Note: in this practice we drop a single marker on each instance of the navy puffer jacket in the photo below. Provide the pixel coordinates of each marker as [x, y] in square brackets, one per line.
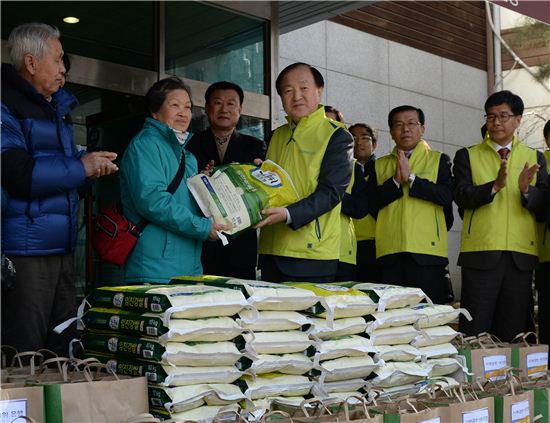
[41, 170]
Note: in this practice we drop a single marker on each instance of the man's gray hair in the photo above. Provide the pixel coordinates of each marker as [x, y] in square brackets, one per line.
[30, 38]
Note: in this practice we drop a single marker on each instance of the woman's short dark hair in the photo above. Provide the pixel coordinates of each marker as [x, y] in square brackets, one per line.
[156, 95]
[406, 108]
[317, 77]
[336, 112]
[368, 128]
[223, 85]
[505, 97]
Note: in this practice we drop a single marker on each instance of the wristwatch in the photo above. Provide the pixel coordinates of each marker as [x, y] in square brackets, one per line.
[411, 178]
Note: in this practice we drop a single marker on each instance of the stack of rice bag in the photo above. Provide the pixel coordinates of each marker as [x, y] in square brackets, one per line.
[341, 355]
[274, 340]
[180, 337]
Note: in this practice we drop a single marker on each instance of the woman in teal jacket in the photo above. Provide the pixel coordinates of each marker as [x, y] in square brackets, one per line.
[171, 244]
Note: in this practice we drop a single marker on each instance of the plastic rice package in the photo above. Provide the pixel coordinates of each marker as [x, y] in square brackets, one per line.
[394, 336]
[438, 351]
[438, 315]
[269, 321]
[402, 352]
[338, 302]
[392, 296]
[434, 336]
[391, 318]
[204, 414]
[183, 398]
[324, 389]
[176, 301]
[155, 325]
[345, 368]
[343, 346]
[398, 373]
[274, 342]
[443, 366]
[322, 329]
[292, 364]
[235, 194]
[261, 295]
[275, 384]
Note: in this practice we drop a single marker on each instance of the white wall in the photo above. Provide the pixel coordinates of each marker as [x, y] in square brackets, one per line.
[366, 76]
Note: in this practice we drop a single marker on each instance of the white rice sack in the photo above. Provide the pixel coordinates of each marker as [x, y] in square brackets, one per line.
[204, 414]
[287, 404]
[394, 336]
[396, 373]
[199, 301]
[291, 364]
[269, 321]
[438, 351]
[183, 376]
[206, 330]
[392, 296]
[275, 384]
[403, 352]
[345, 368]
[391, 318]
[276, 342]
[324, 389]
[393, 392]
[338, 301]
[438, 315]
[434, 336]
[349, 326]
[444, 382]
[201, 354]
[443, 366]
[351, 397]
[344, 346]
[183, 398]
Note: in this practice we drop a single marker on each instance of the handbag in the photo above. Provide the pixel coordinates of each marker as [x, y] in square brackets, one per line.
[114, 236]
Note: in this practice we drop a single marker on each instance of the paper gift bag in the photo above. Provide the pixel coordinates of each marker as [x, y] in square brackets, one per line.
[25, 401]
[475, 411]
[518, 408]
[102, 401]
[532, 360]
[410, 411]
[487, 363]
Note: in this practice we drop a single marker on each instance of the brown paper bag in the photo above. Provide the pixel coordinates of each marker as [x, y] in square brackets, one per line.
[475, 411]
[18, 402]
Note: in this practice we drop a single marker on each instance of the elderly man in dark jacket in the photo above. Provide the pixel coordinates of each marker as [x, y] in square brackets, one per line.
[41, 172]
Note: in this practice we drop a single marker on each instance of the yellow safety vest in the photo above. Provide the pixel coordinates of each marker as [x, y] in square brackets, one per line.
[543, 232]
[348, 242]
[411, 224]
[300, 152]
[503, 224]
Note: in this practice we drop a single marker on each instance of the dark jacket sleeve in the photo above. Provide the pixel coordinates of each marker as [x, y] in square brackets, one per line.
[466, 194]
[334, 178]
[356, 204]
[536, 194]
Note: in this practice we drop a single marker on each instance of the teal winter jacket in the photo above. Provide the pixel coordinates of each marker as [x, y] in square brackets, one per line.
[171, 244]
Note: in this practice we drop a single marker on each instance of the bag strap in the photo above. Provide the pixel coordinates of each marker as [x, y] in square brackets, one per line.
[171, 188]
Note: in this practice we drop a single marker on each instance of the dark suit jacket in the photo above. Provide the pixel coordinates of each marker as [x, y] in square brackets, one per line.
[440, 192]
[470, 196]
[242, 250]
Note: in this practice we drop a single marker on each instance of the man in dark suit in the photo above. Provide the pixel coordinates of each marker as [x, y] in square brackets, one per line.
[499, 184]
[218, 145]
[412, 190]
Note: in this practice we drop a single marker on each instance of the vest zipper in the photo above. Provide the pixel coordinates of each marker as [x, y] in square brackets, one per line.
[291, 136]
[471, 218]
[317, 228]
[437, 225]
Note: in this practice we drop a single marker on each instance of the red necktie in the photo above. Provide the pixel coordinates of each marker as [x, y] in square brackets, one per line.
[504, 153]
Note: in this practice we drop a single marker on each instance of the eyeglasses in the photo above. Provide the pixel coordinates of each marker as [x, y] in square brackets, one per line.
[399, 126]
[366, 138]
[502, 117]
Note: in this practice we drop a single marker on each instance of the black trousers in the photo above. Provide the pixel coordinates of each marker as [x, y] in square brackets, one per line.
[296, 270]
[367, 269]
[499, 299]
[43, 297]
[542, 283]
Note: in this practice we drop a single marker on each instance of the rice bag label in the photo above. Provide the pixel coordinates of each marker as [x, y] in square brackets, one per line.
[103, 319]
[520, 412]
[537, 364]
[494, 367]
[476, 416]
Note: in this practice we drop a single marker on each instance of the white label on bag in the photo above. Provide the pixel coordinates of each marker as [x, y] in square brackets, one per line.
[520, 412]
[12, 409]
[480, 415]
[494, 367]
[537, 364]
[434, 420]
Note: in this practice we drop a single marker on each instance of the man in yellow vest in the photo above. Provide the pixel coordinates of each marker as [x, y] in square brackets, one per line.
[500, 183]
[413, 194]
[542, 274]
[301, 242]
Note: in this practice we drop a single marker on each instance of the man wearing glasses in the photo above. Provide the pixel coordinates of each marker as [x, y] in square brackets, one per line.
[499, 185]
[413, 194]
